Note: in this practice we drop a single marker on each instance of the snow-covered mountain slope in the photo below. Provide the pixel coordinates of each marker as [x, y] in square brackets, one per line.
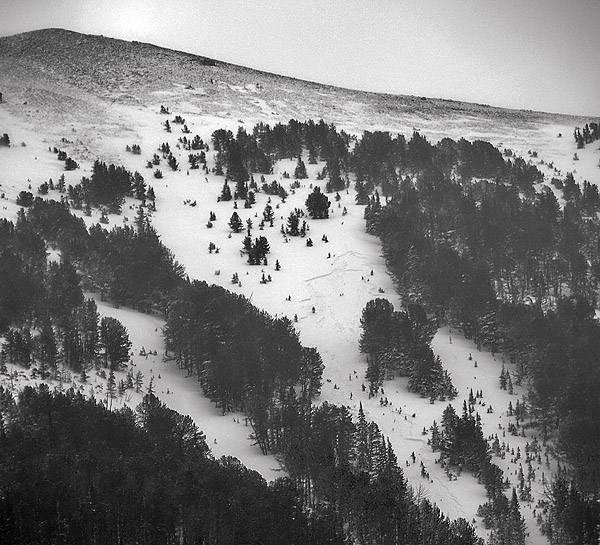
[92, 96]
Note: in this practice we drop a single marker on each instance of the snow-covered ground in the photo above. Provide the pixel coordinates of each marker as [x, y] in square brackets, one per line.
[337, 278]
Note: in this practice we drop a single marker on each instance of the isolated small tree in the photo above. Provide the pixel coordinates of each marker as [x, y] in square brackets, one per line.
[173, 162]
[236, 223]
[139, 381]
[268, 214]
[226, 192]
[70, 164]
[293, 223]
[300, 171]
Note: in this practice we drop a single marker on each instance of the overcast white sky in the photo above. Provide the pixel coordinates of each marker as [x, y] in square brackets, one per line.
[532, 54]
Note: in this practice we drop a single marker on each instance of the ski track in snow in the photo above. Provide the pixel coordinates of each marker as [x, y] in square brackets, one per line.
[338, 287]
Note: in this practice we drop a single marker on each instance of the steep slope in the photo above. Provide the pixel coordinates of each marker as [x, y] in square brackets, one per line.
[92, 95]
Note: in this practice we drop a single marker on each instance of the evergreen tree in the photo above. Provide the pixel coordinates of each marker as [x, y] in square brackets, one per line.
[236, 223]
[47, 350]
[115, 342]
[293, 223]
[226, 192]
[300, 170]
[318, 204]
[268, 214]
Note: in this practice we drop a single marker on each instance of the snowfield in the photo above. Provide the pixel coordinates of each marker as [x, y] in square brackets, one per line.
[336, 278]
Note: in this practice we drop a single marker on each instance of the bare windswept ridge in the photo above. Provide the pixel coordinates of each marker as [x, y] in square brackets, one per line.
[51, 68]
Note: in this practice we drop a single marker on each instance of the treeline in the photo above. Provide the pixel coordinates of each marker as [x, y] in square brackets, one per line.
[378, 159]
[398, 343]
[73, 472]
[243, 154]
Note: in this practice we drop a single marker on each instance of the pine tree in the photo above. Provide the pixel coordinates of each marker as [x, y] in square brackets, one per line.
[139, 381]
[317, 204]
[111, 389]
[115, 341]
[292, 224]
[226, 192]
[47, 352]
[362, 193]
[300, 170]
[503, 380]
[268, 214]
[236, 223]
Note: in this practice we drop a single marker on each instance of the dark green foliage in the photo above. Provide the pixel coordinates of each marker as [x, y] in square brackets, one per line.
[132, 267]
[429, 378]
[293, 225]
[172, 162]
[242, 356]
[241, 155]
[5, 140]
[317, 204]
[63, 291]
[226, 192]
[257, 250]
[362, 192]
[505, 520]
[398, 343]
[18, 347]
[115, 342]
[25, 198]
[236, 223]
[128, 478]
[274, 188]
[20, 289]
[300, 170]
[71, 164]
[461, 441]
[107, 186]
[268, 214]
[570, 516]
